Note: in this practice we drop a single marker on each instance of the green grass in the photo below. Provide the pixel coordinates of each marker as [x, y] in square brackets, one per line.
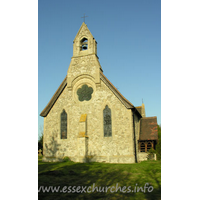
[102, 174]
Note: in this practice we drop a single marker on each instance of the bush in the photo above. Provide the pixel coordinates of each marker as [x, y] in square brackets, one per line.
[66, 159]
[158, 146]
[40, 143]
[152, 151]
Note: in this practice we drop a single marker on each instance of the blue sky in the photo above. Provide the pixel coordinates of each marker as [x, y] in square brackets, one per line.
[128, 34]
[133, 26]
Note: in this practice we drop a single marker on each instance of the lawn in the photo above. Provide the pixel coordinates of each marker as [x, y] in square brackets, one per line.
[133, 176]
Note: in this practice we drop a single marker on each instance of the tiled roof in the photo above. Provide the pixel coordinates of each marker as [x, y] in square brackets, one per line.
[127, 103]
[124, 101]
[148, 128]
[54, 98]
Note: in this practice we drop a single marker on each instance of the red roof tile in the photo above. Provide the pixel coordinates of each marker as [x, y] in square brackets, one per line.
[148, 128]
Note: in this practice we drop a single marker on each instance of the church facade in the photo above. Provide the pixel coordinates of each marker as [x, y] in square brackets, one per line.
[88, 119]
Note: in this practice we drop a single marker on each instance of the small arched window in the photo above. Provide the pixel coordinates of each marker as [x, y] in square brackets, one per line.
[84, 44]
[107, 122]
[63, 125]
[142, 147]
[149, 146]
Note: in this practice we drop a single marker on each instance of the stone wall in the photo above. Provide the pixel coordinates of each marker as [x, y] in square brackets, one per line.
[118, 148]
[142, 156]
[137, 133]
[90, 143]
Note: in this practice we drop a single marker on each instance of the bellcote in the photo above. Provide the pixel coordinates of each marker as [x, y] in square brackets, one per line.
[84, 42]
[84, 65]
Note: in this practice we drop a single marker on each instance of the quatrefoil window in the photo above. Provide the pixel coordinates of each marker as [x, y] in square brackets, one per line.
[84, 93]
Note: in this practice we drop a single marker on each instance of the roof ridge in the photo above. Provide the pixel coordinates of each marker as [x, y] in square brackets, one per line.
[52, 101]
[149, 117]
[54, 98]
[127, 102]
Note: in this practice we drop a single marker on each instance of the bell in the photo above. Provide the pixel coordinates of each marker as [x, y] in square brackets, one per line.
[84, 47]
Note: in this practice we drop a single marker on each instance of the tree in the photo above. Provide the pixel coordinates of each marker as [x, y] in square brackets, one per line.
[40, 142]
[158, 146]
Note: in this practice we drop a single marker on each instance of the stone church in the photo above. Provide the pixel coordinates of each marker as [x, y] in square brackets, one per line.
[88, 119]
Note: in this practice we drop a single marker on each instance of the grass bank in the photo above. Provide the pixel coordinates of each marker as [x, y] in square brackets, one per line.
[102, 175]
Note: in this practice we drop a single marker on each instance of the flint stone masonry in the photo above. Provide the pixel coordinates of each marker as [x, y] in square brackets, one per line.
[85, 125]
[121, 142]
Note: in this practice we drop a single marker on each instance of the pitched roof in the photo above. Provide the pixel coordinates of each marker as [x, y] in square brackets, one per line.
[84, 25]
[54, 98]
[148, 128]
[139, 108]
[127, 103]
[124, 101]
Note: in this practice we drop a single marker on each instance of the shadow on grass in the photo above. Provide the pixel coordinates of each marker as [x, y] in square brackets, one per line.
[102, 175]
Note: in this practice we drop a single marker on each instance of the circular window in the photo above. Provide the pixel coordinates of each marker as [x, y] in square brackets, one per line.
[84, 93]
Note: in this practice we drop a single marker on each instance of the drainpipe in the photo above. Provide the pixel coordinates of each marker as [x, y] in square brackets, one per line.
[133, 111]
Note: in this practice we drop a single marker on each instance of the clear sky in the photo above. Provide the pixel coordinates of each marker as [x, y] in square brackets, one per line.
[131, 25]
[128, 34]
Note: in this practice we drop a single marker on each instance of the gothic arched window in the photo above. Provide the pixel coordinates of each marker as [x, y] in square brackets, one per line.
[107, 122]
[84, 44]
[63, 125]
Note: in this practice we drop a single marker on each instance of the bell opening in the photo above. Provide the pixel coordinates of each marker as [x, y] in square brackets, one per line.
[84, 47]
[84, 44]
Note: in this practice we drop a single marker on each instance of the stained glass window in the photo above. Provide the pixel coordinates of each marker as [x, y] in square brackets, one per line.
[84, 93]
[63, 125]
[107, 122]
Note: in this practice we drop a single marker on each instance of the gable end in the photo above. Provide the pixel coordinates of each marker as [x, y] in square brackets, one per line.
[46, 110]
